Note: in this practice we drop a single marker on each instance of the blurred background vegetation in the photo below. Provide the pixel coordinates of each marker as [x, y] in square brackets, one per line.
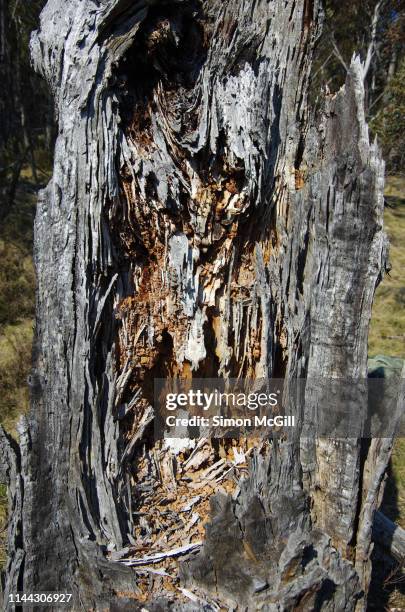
[374, 29]
[26, 143]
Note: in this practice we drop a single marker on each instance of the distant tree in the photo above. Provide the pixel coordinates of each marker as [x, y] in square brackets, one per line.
[374, 29]
[389, 123]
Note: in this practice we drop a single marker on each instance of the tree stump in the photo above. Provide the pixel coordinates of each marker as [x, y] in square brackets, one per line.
[200, 222]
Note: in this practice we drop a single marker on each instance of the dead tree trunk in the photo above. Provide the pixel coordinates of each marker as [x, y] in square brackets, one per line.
[198, 223]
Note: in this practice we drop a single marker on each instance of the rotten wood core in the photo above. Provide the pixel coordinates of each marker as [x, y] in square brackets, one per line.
[200, 222]
[189, 241]
[188, 235]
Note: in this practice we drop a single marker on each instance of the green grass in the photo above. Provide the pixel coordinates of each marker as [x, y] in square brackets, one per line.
[15, 364]
[387, 337]
[398, 469]
[387, 332]
[17, 305]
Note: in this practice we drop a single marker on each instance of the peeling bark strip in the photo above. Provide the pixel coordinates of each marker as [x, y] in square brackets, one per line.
[198, 223]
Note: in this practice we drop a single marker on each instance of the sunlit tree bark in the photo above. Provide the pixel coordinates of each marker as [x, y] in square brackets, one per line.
[199, 222]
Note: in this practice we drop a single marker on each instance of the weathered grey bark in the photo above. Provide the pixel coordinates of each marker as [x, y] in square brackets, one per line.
[198, 223]
[390, 536]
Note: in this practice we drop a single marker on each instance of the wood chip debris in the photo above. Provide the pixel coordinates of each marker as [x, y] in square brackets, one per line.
[157, 557]
[170, 487]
